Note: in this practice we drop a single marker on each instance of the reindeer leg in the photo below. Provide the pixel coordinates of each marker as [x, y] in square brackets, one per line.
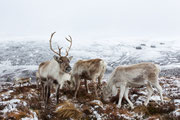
[57, 93]
[38, 82]
[95, 85]
[150, 91]
[86, 85]
[99, 81]
[45, 93]
[61, 86]
[48, 92]
[122, 90]
[77, 89]
[43, 90]
[126, 97]
[159, 88]
[77, 85]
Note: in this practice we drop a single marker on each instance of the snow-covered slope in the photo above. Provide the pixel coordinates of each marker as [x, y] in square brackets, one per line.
[21, 58]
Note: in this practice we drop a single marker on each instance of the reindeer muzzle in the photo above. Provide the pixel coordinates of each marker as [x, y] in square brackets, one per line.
[68, 69]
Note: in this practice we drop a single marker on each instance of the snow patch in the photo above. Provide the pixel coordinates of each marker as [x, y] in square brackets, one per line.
[98, 116]
[11, 105]
[177, 112]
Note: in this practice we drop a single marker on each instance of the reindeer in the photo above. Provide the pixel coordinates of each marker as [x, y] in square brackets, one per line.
[135, 75]
[22, 81]
[55, 72]
[92, 69]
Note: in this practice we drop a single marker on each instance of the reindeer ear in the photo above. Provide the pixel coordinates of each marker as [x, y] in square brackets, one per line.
[56, 58]
[70, 58]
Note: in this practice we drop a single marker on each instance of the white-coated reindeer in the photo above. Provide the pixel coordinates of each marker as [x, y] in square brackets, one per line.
[92, 69]
[55, 72]
[125, 77]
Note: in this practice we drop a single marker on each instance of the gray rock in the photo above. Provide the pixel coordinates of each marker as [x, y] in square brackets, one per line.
[162, 43]
[153, 46]
[143, 44]
[138, 47]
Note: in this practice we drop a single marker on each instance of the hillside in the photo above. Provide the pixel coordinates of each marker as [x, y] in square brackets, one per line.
[21, 59]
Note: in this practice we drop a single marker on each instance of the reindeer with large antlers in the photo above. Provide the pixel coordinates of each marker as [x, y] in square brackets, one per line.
[55, 72]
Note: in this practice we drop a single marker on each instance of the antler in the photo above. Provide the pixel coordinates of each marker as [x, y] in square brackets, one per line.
[51, 45]
[69, 40]
[60, 50]
[67, 51]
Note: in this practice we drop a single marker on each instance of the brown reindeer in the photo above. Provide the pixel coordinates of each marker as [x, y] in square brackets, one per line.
[55, 72]
[88, 70]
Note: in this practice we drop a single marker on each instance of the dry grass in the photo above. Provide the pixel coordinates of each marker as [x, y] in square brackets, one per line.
[68, 110]
[155, 111]
[94, 103]
[16, 115]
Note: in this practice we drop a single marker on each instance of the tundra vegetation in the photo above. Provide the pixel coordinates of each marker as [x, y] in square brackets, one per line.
[25, 102]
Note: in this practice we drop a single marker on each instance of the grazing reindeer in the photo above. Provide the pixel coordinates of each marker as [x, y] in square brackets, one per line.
[55, 72]
[22, 81]
[88, 70]
[135, 75]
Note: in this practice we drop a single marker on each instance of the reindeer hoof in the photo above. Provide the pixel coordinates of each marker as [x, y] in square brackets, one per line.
[132, 107]
[118, 106]
[88, 92]
[145, 104]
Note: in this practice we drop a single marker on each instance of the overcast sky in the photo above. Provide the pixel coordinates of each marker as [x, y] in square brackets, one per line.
[91, 19]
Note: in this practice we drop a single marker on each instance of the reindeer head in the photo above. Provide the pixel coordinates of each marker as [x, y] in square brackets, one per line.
[63, 61]
[106, 93]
